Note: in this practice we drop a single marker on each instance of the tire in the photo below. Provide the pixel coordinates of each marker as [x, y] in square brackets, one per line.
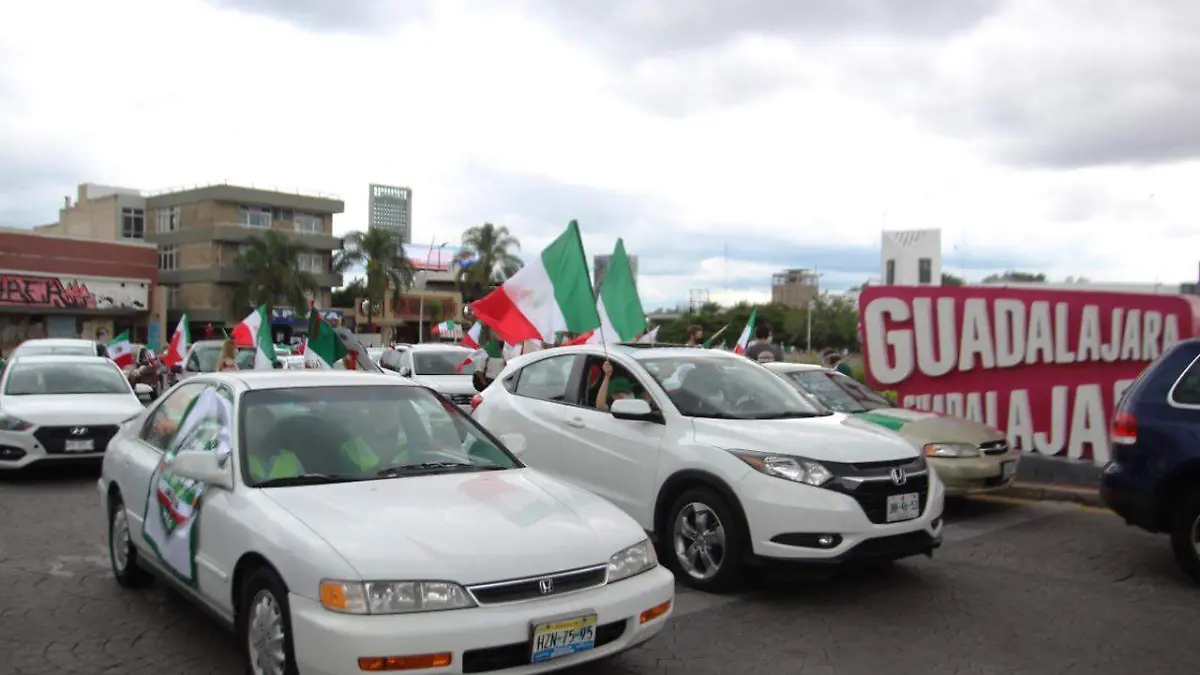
[122, 554]
[265, 625]
[726, 542]
[1185, 535]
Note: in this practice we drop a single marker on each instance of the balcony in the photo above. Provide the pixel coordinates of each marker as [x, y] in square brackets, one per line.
[229, 275]
[236, 233]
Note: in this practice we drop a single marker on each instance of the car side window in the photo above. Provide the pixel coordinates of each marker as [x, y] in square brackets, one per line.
[193, 363]
[164, 421]
[547, 379]
[1187, 390]
[622, 381]
[205, 423]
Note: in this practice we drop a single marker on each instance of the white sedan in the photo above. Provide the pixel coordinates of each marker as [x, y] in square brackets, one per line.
[361, 524]
[55, 408]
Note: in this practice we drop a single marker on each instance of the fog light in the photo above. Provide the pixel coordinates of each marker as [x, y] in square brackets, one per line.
[655, 612]
[376, 664]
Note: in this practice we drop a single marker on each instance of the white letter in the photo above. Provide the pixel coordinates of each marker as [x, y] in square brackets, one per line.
[1010, 333]
[1062, 354]
[1112, 348]
[1131, 344]
[1020, 421]
[910, 401]
[1170, 336]
[954, 404]
[1152, 325]
[990, 404]
[879, 339]
[976, 336]
[1089, 333]
[1053, 443]
[1040, 339]
[927, 363]
[1088, 424]
[939, 404]
[974, 407]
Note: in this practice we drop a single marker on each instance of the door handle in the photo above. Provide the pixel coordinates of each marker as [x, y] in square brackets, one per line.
[576, 422]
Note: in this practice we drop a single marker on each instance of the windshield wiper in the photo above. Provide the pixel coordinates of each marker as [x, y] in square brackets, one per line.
[793, 414]
[305, 479]
[435, 467]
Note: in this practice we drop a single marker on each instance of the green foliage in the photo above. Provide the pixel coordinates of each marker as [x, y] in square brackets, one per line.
[348, 294]
[834, 323]
[1015, 277]
[382, 255]
[494, 248]
[272, 275]
[951, 280]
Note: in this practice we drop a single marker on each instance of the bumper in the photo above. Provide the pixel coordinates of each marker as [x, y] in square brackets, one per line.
[785, 519]
[20, 449]
[485, 639]
[975, 475]
[1127, 499]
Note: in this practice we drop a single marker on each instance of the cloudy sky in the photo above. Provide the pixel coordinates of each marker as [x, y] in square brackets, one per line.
[723, 140]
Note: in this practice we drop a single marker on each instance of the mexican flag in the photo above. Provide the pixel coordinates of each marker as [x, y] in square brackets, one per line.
[181, 340]
[255, 331]
[550, 294]
[708, 344]
[471, 338]
[744, 340]
[323, 348]
[120, 350]
[622, 318]
[444, 328]
[491, 350]
[649, 338]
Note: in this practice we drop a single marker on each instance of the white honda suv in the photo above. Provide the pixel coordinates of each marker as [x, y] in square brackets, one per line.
[718, 458]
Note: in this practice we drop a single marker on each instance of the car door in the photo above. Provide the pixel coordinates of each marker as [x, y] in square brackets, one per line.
[539, 404]
[616, 459]
[141, 454]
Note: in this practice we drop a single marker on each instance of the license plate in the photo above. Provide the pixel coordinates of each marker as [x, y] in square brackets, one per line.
[80, 446]
[903, 507]
[563, 638]
[1008, 470]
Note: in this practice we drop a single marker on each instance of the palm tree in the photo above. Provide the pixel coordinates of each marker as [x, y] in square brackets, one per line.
[492, 247]
[273, 275]
[381, 254]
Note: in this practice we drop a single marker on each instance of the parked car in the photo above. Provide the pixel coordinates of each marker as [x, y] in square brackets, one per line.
[451, 556]
[63, 346]
[437, 366]
[55, 408]
[969, 457]
[1153, 479]
[720, 459]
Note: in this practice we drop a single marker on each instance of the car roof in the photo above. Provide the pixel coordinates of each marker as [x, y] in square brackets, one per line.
[789, 367]
[435, 346]
[60, 342]
[286, 379]
[61, 359]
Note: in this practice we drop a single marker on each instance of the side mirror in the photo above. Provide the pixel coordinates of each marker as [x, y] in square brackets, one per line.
[145, 392]
[515, 443]
[202, 466]
[635, 409]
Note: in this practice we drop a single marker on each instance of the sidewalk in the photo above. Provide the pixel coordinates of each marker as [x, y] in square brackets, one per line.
[1057, 479]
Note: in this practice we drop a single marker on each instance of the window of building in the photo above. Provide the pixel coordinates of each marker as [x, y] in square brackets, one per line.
[889, 275]
[172, 296]
[313, 263]
[253, 216]
[924, 271]
[168, 258]
[133, 223]
[309, 224]
[167, 220]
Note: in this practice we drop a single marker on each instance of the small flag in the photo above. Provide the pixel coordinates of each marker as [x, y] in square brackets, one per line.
[744, 340]
[181, 340]
[120, 350]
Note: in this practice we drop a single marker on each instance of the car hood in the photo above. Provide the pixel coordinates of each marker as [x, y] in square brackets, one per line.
[467, 527]
[447, 384]
[73, 409]
[926, 427]
[833, 438]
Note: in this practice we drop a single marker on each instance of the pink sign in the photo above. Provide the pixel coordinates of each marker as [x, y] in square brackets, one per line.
[1044, 366]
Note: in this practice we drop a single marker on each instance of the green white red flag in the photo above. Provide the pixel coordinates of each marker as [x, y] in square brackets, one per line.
[622, 318]
[744, 339]
[255, 331]
[181, 341]
[120, 350]
[471, 338]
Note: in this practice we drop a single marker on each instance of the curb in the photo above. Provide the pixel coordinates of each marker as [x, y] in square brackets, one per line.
[1055, 492]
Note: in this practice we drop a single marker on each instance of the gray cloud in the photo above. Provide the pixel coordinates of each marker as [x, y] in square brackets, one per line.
[33, 184]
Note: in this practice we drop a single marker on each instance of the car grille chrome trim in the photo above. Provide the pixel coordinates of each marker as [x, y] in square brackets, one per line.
[994, 447]
[533, 588]
[53, 438]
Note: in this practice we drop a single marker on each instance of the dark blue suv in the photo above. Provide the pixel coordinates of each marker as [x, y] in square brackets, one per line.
[1153, 480]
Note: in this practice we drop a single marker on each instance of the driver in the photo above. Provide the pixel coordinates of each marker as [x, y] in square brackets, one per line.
[616, 388]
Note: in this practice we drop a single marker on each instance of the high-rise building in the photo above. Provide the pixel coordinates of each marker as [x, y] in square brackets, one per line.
[600, 265]
[390, 208]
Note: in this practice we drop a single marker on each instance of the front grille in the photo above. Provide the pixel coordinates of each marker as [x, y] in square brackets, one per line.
[872, 495]
[994, 447]
[517, 654]
[54, 439]
[544, 586]
[460, 399]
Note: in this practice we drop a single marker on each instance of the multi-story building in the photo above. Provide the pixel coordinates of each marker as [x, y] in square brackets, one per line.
[390, 208]
[101, 212]
[600, 264]
[912, 258]
[795, 288]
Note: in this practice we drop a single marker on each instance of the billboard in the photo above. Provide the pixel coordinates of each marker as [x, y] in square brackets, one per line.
[1045, 366]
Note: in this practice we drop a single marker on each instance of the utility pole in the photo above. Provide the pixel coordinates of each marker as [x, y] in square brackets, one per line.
[808, 340]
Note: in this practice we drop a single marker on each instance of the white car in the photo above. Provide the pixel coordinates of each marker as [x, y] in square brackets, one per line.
[438, 366]
[357, 523]
[720, 459]
[60, 346]
[55, 408]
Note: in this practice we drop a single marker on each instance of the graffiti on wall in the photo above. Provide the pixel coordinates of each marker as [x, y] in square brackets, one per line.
[83, 293]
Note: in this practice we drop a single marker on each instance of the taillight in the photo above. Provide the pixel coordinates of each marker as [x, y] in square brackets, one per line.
[475, 401]
[1124, 428]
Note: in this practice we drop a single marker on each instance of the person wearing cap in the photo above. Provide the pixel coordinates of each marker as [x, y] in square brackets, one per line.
[614, 388]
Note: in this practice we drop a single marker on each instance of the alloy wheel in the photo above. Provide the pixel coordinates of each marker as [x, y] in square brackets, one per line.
[265, 635]
[118, 539]
[699, 540]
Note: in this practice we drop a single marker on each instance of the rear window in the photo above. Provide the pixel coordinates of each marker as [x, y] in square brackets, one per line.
[1187, 389]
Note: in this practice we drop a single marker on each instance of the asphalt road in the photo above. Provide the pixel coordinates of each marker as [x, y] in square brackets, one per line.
[1017, 588]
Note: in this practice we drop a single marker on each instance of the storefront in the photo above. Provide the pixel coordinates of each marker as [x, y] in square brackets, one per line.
[410, 317]
[63, 287]
[287, 324]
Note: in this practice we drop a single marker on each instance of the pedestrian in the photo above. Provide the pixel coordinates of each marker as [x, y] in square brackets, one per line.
[695, 336]
[228, 358]
[762, 349]
[836, 363]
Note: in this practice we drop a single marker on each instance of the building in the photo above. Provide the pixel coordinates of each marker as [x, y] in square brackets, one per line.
[101, 212]
[911, 258]
[795, 288]
[63, 286]
[390, 208]
[600, 265]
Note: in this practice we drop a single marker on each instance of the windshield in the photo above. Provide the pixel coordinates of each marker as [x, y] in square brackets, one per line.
[327, 434]
[727, 389]
[53, 379]
[836, 391]
[440, 362]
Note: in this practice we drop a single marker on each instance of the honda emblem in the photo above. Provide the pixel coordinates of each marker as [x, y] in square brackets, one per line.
[79, 431]
[546, 586]
[898, 476]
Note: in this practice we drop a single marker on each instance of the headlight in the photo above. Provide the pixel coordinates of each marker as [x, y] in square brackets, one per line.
[951, 450]
[632, 561]
[392, 597]
[791, 468]
[10, 423]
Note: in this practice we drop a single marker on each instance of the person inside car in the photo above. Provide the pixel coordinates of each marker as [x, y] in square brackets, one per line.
[616, 388]
[228, 357]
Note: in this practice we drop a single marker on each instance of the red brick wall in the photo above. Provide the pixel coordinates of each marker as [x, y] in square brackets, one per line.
[75, 257]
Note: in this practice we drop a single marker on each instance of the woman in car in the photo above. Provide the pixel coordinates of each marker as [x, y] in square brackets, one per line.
[228, 357]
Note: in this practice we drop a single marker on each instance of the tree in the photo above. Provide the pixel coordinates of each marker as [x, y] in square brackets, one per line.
[834, 322]
[493, 248]
[347, 295]
[272, 274]
[1013, 276]
[381, 254]
[951, 280]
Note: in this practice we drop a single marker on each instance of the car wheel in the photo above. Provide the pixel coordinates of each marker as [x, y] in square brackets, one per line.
[265, 625]
[122, 554]
[706, 547]
[1185, 536]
